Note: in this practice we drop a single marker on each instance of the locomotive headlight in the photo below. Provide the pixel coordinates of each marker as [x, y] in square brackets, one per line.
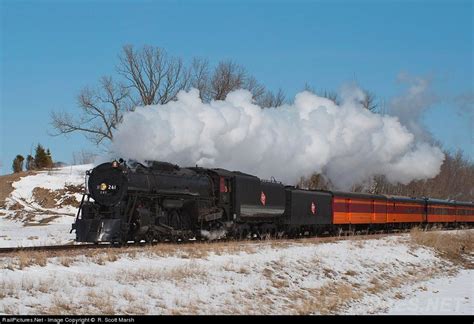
[115, 164]
[103, 186]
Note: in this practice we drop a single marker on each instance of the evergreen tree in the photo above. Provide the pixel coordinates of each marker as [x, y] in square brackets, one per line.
[49, 159]
[18, 164]
[30, 163]
[43, 158]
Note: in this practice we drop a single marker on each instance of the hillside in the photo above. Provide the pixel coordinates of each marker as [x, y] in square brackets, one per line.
[38, 208]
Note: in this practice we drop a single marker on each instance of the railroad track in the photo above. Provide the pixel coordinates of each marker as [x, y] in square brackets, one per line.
[303, 239]
[48, 248]
[68, 247]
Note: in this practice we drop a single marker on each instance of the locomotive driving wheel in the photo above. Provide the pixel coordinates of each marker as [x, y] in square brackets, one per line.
[180, 222]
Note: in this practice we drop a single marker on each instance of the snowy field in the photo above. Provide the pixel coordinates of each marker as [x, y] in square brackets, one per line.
[42, 207]
[391, 275]
[444, 296]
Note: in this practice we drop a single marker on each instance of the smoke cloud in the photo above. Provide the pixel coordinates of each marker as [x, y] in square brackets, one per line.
[410, 106]
[347, 143]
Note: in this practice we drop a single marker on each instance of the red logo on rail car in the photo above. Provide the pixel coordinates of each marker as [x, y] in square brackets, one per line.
[313, 208]
[263, 198]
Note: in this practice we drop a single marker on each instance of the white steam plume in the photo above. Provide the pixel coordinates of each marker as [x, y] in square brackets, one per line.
[410, 107]
[347, 143]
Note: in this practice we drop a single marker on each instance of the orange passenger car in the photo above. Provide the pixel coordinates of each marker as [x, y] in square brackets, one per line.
[464, 213]
[358, 208]
[439, 211]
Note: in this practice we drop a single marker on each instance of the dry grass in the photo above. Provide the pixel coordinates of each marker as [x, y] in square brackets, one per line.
[199, 250]
[9, 264]
[237, 269]
[134, 308]
[47, 198]
[175, 274]
[329, 273]
[267, 273]
[454, 246]
[97, 302]
[86, 280]
[60, 305]
[45, 286]
[102, 257]
[6, 184]
[357, 242]
[341, 293]
[328, 299]
[128, 296]
[27, 286]
[41, 259]
[91, 294]
[9, 289]
[279, 283]
[376, 286]
[66, 261]
[93, 303]
[351, 273]
[24, 259]
[336, 295]
[11, 309]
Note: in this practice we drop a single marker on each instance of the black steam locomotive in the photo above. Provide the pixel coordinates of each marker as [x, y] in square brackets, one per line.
[162, 202]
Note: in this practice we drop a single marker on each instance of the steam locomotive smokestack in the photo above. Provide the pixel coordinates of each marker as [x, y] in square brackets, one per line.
[346, 143]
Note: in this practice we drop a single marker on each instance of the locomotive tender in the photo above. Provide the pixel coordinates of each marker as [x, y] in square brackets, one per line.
[161, 201]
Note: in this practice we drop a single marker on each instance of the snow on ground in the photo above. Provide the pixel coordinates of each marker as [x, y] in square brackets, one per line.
[444, 296]
[55, 179]
[450, 295]
[28, 219]
[15, 234]
[373, 276]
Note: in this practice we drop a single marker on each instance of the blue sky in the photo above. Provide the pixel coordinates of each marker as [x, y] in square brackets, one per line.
[51, 49]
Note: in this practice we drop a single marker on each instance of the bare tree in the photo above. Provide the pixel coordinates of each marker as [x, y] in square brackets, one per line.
[83, 157]
[369, 101]
[454, 181]
[102, 110]
[227, 76]
[258, 90]
[315, 181]
[152, 74]
[331, 95]
[309, 88]
[271, 99]
[199, 77]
